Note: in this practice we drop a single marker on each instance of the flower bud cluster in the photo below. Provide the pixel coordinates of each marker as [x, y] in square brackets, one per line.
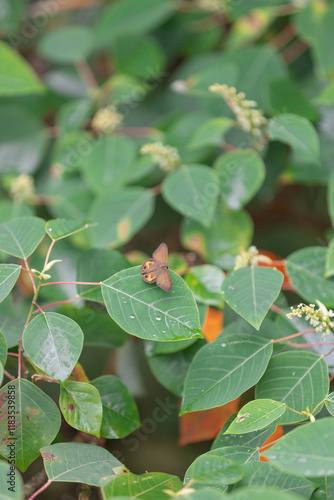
[167, 157]
[250, 257]
[249, 119]
[216, 6]
[106, 120]
[22, 189]
[320, 318]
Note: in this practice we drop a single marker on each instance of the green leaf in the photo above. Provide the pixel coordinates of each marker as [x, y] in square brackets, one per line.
[329, 402]
[250, 291]
[212, 468]
[3, 349]
[53, 343]
[66, 45]
[20, 237]
[229, 232]
[287, 97]
[81, 406]
[16, 76]
[72, 199]
[61, 228]
[255, 493]
[95, 265]
[256, 415]
[147, 311]
[23, 140]
[326, 487]
[78, 463]
[10, 476]
[298, 379]
[11, 328]
[306, 270]
[108, 164]
[263, 474]
[129, 17]
[330, 199]
[298, 133]
[211, 133]
[330, 259]
[253, 439]
[141, 57]
[1, 373]
[11, 16]
[72, 115]
[222, 371]
[120, 215]
[307, 449]
[205, 282]
[37, 421]
[193, 191]
[120, 414]
[8, 277]
[149, 486]
[241, 174]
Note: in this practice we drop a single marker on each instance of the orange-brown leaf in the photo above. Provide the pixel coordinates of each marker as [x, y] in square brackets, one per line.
[204, 425]
[213, 323]
[275, 436]
[78, 374]
[279, 263]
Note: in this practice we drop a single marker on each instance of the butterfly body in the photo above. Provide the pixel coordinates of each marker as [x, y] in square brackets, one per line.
[155, 269]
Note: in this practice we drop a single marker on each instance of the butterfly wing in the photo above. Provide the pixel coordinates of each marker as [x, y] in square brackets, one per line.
[164, 280]
[150, 270]
[161, 254]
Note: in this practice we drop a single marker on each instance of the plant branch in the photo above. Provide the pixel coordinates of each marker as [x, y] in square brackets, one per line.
[293, 336]
[46, 485]
[71, 283]
[57, 303]
[8, 375]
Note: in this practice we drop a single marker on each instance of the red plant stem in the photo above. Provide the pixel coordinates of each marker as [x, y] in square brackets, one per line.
[46, 485]
[330, 352]
[12, 354]
[276, 309]
[310, 345]
[58, 303]
[30, 274]
[48, 253]
[293, 336]
[331, 377]
[43, 377]
[8, 375]
[40, 308]
[71, 283]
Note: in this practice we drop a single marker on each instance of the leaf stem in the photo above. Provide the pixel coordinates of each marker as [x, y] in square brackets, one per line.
[48, 253]
[71, 283]
[46, 485]
[310, 345]
[293, 336]
[30, 274]
[41, 309]
[288, 408]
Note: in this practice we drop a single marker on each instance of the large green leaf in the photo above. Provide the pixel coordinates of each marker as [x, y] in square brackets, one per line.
[287, 97]
[306, 269]
[214, 468]
[78, 463]
[109, 162]
[120, 414]
[241, 174]
[250, 291]
[298, 379]
[205, 282]
[329, 402]
[95, 265]
[260, 493]
[307, 450]
[8, 277]
[10, 476]
[120, 215]
[20, 237]
[298, 133]
[224, 369]
[193, 191]
[131, 17]
[58, 229]
[68, 44]
[265, 474]
[149, 486]
[37, 421]
[53, 343]
[81, 406]
[229, 232]
[148, 312]
[23, 140]
[3, 349]
[210, 133]
[16, 76]
[256, 415]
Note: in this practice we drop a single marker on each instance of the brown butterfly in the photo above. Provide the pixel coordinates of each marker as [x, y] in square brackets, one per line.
[155, 270]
